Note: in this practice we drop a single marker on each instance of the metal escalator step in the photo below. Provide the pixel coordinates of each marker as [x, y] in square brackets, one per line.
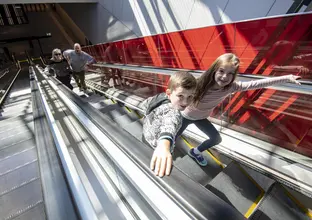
[13, 180]
[37, 211]
[16, 130]
[185, 144]
[14, 138]
[304, 200]
[120, 114]
[135, 128]
[263, 181]
[15, 122]
[202, 175]
[99, 105]
[124, 120]
[237, 188]
[221, 159]
[190, 167]
[102, 104]
[21, 200]
[109, 108]
[16, 148]
[19, 160]
[19, 98]
[20, 106]
[95, 98]
[278, 205]
[7, 114]
[23, 102]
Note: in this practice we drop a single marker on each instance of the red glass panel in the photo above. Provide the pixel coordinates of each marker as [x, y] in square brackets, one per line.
[269, 46]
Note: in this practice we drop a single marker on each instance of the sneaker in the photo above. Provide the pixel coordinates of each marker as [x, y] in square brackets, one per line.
[198, 157]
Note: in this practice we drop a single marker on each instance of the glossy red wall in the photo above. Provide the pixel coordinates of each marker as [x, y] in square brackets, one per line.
[270, 46]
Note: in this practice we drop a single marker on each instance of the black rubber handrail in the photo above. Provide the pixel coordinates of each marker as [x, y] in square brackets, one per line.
[10, 86]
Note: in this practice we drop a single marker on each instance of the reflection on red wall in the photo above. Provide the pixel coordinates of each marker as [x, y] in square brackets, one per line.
[271, 46]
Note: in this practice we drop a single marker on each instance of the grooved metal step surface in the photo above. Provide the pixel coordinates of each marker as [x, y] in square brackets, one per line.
[20, 184]
[202, 175]
[236, 187]
[278, 205]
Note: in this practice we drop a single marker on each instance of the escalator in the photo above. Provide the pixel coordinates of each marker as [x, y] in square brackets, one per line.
[253, 194]
[26, 191]
[113, 165]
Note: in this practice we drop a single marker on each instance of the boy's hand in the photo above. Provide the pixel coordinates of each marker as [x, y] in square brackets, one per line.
[162, 159]
[293, 79]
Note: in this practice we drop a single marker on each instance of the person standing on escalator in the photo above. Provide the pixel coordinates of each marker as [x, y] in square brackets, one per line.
[213, 86]
[79, 62]
[59, 67]
[163, 119]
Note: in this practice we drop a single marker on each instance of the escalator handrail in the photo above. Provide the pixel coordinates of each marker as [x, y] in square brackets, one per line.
[200, 204]
[82, 201]
[5, 70]
[10, 85]
[304, 88]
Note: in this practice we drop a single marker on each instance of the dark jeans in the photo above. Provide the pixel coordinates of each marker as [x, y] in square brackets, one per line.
[65, 80]
[80, 79]
[205, 126]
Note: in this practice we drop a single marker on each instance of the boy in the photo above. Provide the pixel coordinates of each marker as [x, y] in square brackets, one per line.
[163, 119]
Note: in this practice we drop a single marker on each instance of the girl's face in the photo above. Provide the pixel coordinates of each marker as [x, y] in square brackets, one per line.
[224, 75]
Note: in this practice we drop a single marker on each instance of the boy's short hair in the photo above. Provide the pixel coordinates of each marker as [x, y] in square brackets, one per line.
[182, 79]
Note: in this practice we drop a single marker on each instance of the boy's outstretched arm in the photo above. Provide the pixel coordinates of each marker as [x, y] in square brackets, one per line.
[162, 158]
[161, 161]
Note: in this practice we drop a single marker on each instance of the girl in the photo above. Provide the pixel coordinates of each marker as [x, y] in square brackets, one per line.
[60, 68]
[213, 87]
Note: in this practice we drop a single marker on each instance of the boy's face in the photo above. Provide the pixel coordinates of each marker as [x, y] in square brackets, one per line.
[180, 98]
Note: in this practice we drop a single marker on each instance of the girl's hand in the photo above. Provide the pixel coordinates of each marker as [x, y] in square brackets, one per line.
[293, 79]
[303, 70]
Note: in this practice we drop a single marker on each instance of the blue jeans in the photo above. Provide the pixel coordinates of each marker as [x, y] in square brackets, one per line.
[205, 126]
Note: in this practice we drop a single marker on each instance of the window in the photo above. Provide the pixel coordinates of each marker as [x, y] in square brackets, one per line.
[12, 15]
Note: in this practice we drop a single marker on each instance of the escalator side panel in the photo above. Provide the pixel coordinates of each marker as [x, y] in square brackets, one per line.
[57, 198]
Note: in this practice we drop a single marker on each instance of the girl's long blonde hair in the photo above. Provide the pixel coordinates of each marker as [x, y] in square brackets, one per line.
[207, 79]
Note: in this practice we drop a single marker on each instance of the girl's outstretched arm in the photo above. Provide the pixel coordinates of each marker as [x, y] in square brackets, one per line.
[262, 83]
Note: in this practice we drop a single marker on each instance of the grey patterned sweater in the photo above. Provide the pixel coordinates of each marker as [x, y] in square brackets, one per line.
[161, 120]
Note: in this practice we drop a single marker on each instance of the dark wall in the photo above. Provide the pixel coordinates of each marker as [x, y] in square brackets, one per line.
[40, 23]
[97, 23]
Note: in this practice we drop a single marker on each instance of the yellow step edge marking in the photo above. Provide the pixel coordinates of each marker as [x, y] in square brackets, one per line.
[138, 114]
[113, 101]
[299, 204]
[129, 110]
[209, 153]
[254, 205]
[249, 177]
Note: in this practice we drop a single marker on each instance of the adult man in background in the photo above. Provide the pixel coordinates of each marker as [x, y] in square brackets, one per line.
[79, 62]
